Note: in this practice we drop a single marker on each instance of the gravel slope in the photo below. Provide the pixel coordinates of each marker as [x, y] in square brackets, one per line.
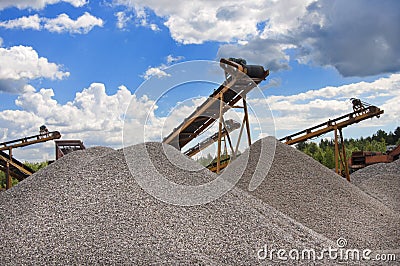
[380, 181]
[87, 208]
[313, 195]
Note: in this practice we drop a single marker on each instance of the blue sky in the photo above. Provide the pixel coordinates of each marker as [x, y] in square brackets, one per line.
[75, 65]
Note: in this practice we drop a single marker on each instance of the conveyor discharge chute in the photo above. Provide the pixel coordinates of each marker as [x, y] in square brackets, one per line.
[240, 79]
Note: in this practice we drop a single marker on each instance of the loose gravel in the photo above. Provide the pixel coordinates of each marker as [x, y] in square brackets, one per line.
[87, 208]
[313, 195]
[380, 181]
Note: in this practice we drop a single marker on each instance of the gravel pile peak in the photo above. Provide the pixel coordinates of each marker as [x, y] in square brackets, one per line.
[88, 208]
[381, 181]
[313, 195]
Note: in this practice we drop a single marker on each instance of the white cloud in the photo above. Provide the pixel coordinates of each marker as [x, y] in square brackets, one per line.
[300, 111]
[155, 71]
[38, 4]
[122, 19]
[142, 18]
[200, 21]
[357, 38]
[154, 27]
[22, 63]
[93, 116]
[159, 71]
[31, 22]
[138, 15]
[171, 59]
[63, 23]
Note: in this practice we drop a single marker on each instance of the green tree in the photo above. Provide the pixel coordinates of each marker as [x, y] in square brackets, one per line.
[396, 135]
[379, 135]
[319, 155]
[329, 158]
[36, 166]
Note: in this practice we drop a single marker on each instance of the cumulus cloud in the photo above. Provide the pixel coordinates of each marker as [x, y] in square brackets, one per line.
[92, 110]
[137, 15]
[31, 22]
[142, 18]
[122, 19]
[63, 23]
[93, 116]
[297, 112]
[156, 71]
[358, 38]
[159, 71]
[222, 21]
[22, 63]
[38, 4]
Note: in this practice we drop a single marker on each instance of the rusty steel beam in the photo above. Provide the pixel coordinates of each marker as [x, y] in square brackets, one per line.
[65, 146]
[229, 126]
[22, 142]
[14, 168]
[339, 123]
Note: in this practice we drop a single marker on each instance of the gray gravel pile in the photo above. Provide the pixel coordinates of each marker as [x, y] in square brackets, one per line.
[313, 195]
[87, 208]
[380, 181]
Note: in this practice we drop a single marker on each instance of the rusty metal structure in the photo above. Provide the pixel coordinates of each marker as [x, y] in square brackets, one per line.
[229, 126]
[240, 79]
[361, 111]
[361, 159]
[11, 166]
[63, 147]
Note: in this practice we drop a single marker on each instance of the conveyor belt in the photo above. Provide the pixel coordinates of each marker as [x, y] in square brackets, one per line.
[22, 142]
[231, 125]
[240, 79]
[330, 125]
[17, 169]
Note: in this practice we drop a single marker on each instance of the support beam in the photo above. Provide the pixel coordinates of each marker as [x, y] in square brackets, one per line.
[246, 117]
[344, 157]
[8, 177]
[336, 153]
[221, 106]
[229, 139]
[240, 135]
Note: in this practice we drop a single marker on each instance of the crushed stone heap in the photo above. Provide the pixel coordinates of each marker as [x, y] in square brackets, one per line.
[381, 181]
[87, 208]
[313, 195]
